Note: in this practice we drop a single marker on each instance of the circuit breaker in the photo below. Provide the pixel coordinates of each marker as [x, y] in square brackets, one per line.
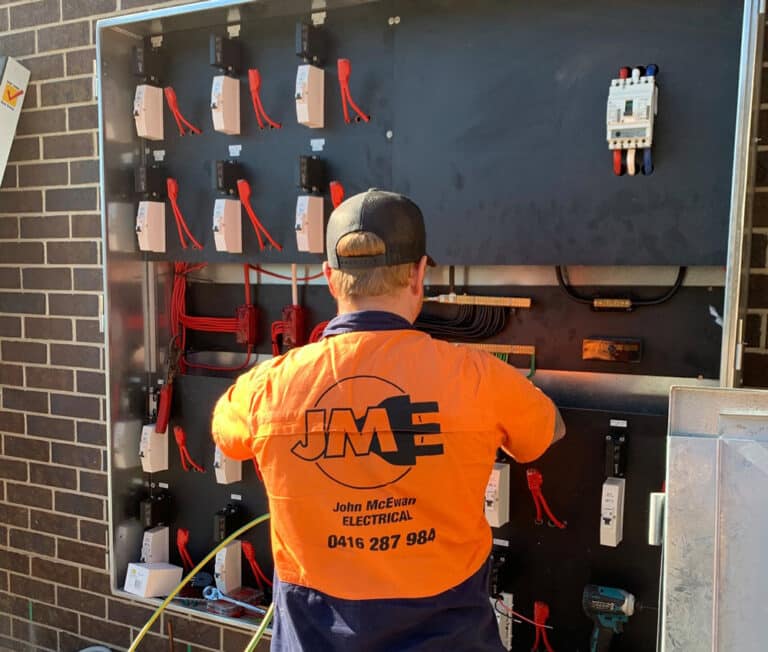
[148, 111]
[228, 225]
[150, 226]
[225, 104]
[497, 495]
[632, 106]
[310, 96]
[227, 470]
[227, 569]
[155, 545]
[310, 220]
[153, 450]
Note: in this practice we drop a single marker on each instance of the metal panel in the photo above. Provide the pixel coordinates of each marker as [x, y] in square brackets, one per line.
[714, 576]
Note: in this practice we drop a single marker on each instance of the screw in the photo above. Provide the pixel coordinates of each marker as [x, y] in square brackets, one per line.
[389, 134]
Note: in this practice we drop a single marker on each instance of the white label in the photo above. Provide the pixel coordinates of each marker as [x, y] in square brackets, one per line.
[618, 423]
[501, 542]
[162, 485]
[236, 497]
[234, 150]
[158, 155]
[317, 144]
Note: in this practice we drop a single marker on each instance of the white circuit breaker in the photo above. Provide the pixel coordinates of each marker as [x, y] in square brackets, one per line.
[310, 96]
[228, 225]
[225, 105]
[227, 470]
[152, 580]
[155, 545]
[632, 107]
[150, 226]
[14, 79]
[148, 111]
[153, 450]
[228, 567]
[310, 222]
[497, 495]
[612, 512]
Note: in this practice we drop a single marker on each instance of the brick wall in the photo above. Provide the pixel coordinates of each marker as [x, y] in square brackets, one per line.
[54, 587]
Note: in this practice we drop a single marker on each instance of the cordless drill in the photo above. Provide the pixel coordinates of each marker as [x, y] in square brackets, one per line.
[609, 609]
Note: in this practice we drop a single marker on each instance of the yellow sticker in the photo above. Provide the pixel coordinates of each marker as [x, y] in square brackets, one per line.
[11, 95]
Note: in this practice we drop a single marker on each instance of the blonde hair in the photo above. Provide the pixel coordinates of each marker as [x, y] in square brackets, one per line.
[373, 281]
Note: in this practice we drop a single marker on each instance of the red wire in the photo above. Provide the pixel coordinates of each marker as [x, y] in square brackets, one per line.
[181, 442]
[182, 539]
[173, 105]
[250, 555]
[254, 81]
[555, 521]
[244, 192]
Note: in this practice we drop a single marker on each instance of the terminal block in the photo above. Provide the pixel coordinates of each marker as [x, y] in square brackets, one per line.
[150, 181]
[226, 54]
[148, 62]
[226, 521]
[311, 174]
[311, 43]
[226, 175]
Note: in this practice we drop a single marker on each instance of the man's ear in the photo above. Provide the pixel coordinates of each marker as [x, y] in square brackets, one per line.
[417, 278]
[327, 273]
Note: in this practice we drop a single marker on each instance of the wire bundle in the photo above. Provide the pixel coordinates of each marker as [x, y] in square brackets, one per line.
[254, 82]
[465, 323]
[173, 105]
[250, 554]
[181, 320]
[344, 68]
[186, 458]
[182, 539]
[244, 193]
[181, 224]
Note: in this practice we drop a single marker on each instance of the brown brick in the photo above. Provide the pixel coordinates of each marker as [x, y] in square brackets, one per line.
[42, 122]
[69, 146]
[27, 448]
[20, 44]
[30, 97]
[71, 503]
[84, 171]
[50, 226]
[52, 476]
[10, 326]
[55, 572]
[21, 201]
[43, 174]
[235, 641]
[80, 62]
[93, 581]
[13, 470]
[50, 378]
[35, 589]
[11, 374]
[86, 226]
[73, 253]
[81, 601]
[101, 630]
[44, 328]
[89, 432]
[760, 202]
[70, 199]
[755, 366]
[88, 280]
[25, 400]
[64, 36]
[21, 252]
[50, 428]
[81, 8]
[82, 553]
[27, 302]
[24, 149]
[194, 630]
[69, 641]
[93, 483]
[13, 515]
[31, 14]
[758, 249]
[10, 278]
[73, 355]
[31, 542]
[12, 421]
[77, 305]
[10, 177]
[22, 494]
[43, 637]
[70, 91]
[90, 382]
[14, 561]
[14, 351]
[58, 524]
[5, 625]
[55, 617]
[79, 456]
[47, 278]
[46, 67]
[84, 407]
[131, 614]
[83, 117]
[92, 532]
[758, 291]
[87, 330]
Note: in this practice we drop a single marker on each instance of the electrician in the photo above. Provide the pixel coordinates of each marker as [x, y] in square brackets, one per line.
[376, 445]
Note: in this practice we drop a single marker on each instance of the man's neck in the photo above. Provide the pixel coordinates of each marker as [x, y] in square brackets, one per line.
[382, 304]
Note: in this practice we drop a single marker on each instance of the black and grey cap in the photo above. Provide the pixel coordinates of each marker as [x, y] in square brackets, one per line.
[394, 218]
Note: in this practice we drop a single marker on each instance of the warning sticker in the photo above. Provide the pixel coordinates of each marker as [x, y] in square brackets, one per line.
[11, 95]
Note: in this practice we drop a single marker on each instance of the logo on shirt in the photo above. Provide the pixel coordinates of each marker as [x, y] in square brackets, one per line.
[364, 432]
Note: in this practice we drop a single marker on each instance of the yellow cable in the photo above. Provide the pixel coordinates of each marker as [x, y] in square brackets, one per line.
[262, 628]
[140, 636]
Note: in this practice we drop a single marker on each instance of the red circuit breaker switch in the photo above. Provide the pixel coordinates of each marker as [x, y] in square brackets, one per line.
[295, 319]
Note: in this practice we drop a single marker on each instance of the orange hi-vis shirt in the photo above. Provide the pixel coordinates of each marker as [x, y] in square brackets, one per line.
[376, 448]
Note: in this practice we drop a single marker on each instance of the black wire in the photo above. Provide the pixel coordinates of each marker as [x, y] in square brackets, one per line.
[575, 296]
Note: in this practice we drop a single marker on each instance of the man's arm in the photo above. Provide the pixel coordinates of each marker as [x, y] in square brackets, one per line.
[232, 417]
